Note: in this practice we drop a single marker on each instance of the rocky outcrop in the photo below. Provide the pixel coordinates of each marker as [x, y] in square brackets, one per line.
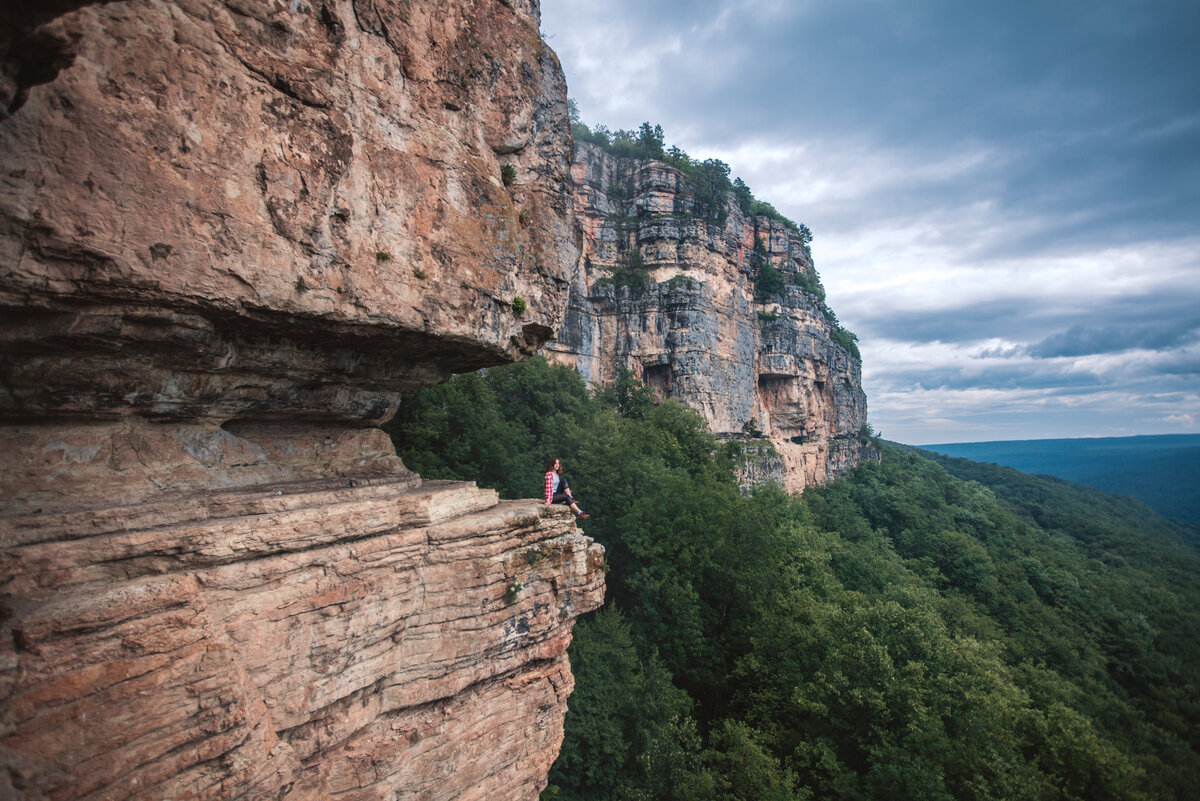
[232, 236]
[227, 210]
[682, 314]
[374, 638]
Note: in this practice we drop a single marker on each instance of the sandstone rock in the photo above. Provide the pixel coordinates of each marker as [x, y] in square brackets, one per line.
[230, 210]
[697, 333]
[232, 236]
[337, 639]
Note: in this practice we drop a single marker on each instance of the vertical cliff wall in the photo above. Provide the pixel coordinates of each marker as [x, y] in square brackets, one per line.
[232, 236]
[683, 315]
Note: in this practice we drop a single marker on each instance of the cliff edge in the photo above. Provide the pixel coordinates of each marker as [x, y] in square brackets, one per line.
[714, 306]
[233, 235]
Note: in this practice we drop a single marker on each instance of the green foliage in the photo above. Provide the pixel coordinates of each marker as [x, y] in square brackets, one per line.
[518, 306]
[650, 140]
[761, 208]
[510, 592]
[678, 159]
[634, 276]
[810, 282]
[684, 282]
[647, 142]
[497, 426]
[847, 340]
[508, 174]
[769, 283]
[624, 705]
[898, 633]
[628, 396]
[710, 186]
[743, 196]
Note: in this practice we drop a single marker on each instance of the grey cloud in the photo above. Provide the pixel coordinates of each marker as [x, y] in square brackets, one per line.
[1046, 327]
[1002, 352]
[1180, 365]
[1083, 340]
[1000, 375]
[1089, 102]
[994, 319]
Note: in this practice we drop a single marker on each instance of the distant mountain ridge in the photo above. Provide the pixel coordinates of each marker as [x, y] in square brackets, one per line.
[1163, 471]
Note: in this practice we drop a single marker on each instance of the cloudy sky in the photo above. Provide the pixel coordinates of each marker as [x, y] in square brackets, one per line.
[1005, 196]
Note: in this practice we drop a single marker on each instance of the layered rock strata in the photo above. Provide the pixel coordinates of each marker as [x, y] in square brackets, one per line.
[349, 639]
[232, 236]
[227, 210]
[695, 330]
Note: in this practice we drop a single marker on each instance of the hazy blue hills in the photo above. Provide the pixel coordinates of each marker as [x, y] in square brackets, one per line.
[1162, 471]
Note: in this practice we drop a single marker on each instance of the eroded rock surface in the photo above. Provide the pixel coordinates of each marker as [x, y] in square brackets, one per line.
[349, 639]
[696, 331]
[232, 236]
[236, 209]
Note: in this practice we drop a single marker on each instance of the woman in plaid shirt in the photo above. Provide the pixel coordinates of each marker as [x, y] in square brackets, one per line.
[556, 488]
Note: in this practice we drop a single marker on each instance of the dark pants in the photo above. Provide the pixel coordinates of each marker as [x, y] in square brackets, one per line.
[563, 495]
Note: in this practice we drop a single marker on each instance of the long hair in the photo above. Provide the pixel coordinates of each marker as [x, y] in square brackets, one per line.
[550, 464]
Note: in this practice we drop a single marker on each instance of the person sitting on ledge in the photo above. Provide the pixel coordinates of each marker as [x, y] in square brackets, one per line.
[557, 489]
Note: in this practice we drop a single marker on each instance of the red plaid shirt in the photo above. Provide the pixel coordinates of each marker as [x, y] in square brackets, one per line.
[551, 477]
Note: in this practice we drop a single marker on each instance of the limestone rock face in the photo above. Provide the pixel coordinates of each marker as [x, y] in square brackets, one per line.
[233, 234]
[695, 330]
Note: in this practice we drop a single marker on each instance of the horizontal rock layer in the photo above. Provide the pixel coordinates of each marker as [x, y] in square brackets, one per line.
[696, 332]
[348, 638]
[246, 210]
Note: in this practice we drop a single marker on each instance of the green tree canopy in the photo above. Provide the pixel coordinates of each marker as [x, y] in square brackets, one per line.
[901, 632]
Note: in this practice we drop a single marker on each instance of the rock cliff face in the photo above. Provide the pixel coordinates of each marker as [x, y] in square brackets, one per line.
[232, 236]
[695, 331]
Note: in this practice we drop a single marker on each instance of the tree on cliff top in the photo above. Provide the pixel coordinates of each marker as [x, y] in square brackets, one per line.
[709, 182]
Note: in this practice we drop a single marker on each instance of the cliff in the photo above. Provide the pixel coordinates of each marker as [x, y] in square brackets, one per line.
[232, 236]
[679, 299]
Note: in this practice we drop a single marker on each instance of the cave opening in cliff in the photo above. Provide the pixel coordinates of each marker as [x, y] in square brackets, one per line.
[779, 396]
[658, 378]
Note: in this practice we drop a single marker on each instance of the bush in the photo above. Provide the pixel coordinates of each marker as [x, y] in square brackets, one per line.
[769, 283]
[847, 340]
[710, 187]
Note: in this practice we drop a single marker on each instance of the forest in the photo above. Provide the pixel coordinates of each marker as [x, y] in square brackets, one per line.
[916, 629]
[1162, 470]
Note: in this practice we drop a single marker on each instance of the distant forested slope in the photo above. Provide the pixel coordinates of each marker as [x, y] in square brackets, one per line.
[1163, 471]
[901, 633]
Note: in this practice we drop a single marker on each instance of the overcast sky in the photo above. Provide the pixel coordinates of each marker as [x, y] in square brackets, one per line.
[1005, 196]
